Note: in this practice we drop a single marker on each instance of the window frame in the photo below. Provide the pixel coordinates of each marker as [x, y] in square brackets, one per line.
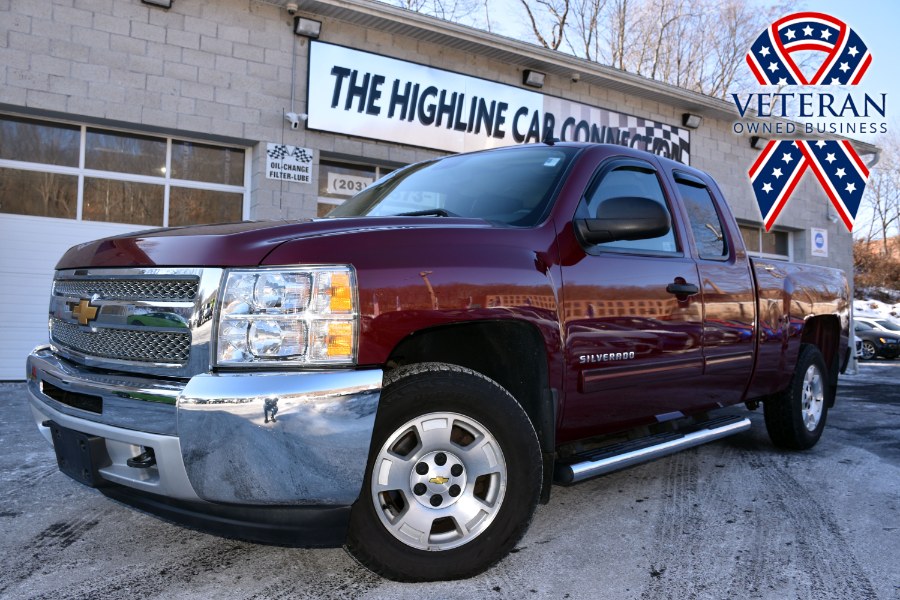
[165, 180]
[602, 171]
[789, 257]
[683, 178]
[381, 169]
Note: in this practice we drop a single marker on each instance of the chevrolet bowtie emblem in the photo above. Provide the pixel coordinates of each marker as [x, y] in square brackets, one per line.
[438, 480]
[84, 312]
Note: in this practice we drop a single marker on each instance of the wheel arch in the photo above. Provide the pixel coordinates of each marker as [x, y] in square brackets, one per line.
[824, 332]
[510, 352]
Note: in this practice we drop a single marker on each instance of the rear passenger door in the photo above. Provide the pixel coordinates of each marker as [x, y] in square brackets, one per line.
[729, 305]
[632, 323]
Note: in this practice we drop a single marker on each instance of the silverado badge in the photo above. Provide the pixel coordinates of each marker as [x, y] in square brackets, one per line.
[85, 312]
[438, 480]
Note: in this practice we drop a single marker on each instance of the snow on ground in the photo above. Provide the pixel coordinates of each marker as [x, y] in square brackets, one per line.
[875, 309]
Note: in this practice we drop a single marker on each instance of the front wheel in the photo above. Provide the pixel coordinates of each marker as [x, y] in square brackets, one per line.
[795, 417]
[868, 350]
[453, 478]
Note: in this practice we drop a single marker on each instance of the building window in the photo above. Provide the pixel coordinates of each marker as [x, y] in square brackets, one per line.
[68, 171]
[768, 244]
[340, 180]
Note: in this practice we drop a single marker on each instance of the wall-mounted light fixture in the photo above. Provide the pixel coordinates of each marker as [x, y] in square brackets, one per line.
[534, 79]
[307, 27]
[757, 142]
[166, 4]
[691, 120]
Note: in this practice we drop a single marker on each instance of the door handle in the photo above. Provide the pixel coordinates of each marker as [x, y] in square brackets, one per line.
[682, 289]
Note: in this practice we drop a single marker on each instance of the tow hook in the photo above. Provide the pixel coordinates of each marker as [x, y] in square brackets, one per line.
[144, 460]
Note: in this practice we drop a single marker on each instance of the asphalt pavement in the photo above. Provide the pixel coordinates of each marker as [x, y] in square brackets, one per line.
[733, 519]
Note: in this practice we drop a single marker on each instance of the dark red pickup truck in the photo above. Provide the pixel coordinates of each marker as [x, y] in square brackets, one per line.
[410, 375]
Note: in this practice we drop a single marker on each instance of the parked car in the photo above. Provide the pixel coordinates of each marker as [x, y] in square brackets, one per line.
[876, 342]
[857, 344]
[879, 324]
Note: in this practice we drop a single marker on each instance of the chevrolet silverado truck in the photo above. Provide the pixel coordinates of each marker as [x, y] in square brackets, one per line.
[411, 374]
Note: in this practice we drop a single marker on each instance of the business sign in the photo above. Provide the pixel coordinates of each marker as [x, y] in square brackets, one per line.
[368, 95]
[832, 110]
[289, 163]
[819, 242]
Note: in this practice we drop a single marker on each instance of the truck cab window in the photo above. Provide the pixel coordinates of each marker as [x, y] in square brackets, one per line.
[628, 180]
[706, 226]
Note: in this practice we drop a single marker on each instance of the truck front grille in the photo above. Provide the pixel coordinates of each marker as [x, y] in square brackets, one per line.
[153, 321]
[153, 290]
[123, 344]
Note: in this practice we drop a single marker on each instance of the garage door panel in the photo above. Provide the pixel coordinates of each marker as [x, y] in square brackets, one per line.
[29, 250]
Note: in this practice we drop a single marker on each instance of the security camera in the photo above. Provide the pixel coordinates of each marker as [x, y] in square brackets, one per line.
[576, 77]
[294, 119]
[291, 7]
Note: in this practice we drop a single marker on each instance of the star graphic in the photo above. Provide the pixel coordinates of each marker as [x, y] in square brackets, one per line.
[773, 67]
[820, 144]
[835, 81]
[840, 173]
[776, 173]
[850, 188]
[764, 51]
[844, 67]
[786, 157]
[767, 187]
[853, 51]
[830, 158]
[782, 81]
[808, 31]
[790, 34]
[826, 33]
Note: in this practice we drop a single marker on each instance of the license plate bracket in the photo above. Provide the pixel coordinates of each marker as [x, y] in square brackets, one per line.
[79, 455]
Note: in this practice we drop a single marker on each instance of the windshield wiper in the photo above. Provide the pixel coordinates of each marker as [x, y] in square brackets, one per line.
[437, 212]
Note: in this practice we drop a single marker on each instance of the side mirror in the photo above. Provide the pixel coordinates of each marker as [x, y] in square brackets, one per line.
[624, 218]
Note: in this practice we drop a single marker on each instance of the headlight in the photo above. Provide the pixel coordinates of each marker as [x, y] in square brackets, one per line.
[296, 316]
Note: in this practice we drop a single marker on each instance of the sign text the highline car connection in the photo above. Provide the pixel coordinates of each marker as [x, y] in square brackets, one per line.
[370, 95]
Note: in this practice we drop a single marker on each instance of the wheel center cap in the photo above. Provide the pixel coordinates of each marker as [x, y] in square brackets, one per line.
[438, 479]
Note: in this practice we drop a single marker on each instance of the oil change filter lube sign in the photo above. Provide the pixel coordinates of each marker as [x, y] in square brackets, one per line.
[373, 96]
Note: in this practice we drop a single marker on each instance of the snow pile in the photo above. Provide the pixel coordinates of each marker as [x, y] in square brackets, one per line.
[876, 309]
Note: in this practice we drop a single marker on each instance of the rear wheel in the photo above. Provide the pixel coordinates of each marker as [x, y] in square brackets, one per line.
[795, 417]
[453, 478]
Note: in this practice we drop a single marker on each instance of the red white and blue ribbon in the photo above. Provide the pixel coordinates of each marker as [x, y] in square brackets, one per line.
[776, 172]
[846, 56]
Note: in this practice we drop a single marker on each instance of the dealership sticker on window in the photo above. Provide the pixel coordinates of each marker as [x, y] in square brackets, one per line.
[289, 163]
[341, 184]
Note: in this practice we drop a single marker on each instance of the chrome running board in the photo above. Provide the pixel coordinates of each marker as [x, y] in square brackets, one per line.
[620, 456]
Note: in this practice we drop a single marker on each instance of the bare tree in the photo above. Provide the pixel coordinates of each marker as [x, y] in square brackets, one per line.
[881, 200]
[553, 15]
[585, 40]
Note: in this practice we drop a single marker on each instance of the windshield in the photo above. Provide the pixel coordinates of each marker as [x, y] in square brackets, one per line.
[888, 325]
[511, 186]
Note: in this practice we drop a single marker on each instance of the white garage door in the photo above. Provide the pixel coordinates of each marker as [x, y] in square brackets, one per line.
[29, 249]
[63, 184]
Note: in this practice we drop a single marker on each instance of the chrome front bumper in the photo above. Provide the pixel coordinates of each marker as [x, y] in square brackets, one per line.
[298, 438]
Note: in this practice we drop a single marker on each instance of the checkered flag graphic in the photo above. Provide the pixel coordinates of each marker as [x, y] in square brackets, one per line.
[277, 151]
[301, 155]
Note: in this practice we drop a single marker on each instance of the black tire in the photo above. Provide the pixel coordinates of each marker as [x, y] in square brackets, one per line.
[869, 351]
[427, 389]
[789, 413]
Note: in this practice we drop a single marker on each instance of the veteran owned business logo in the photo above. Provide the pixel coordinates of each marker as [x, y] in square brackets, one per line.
[774, 61]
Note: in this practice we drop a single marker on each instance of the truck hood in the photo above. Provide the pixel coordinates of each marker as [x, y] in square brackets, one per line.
[232, 244]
